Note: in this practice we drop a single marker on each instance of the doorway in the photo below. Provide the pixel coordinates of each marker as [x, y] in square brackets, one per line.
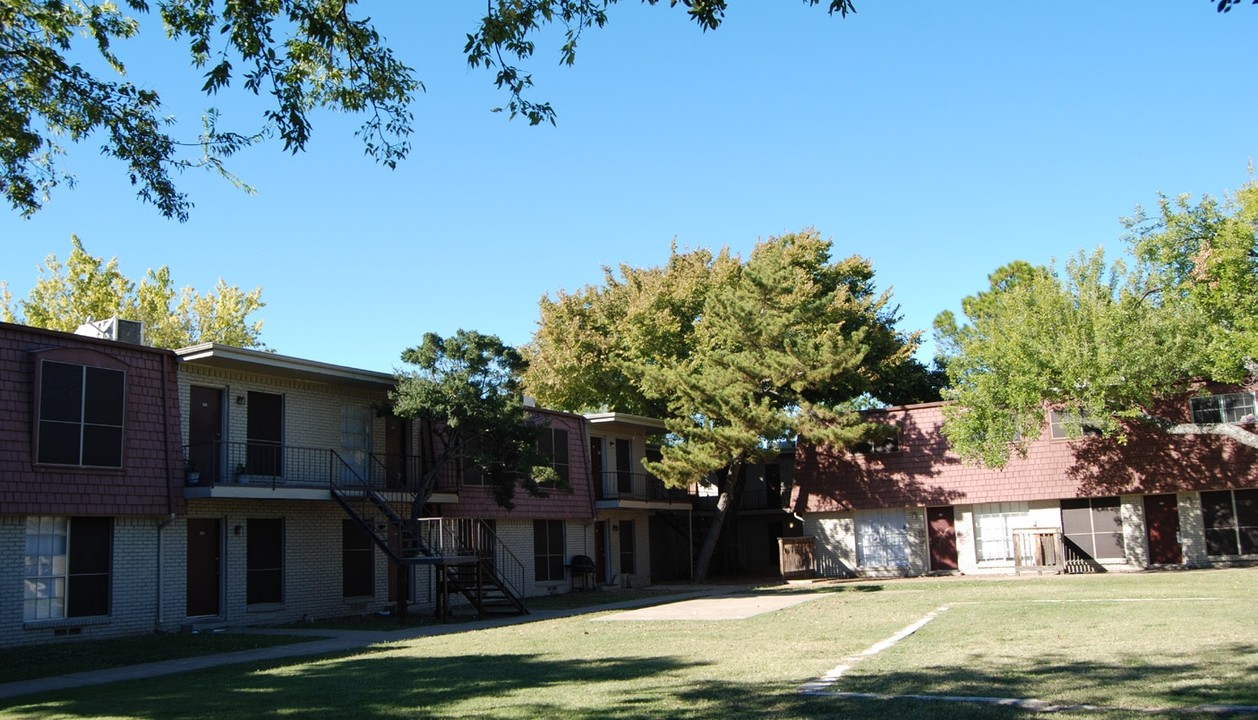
[1161, 519]
[205, 550]
[205, 431]
[941, 525]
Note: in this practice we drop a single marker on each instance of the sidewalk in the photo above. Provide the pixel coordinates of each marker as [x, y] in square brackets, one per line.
[325, 642]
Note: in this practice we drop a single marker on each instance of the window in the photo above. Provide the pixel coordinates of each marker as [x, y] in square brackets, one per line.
[994, 524]
[553, 443]
[874, 446]
[1094, 526]
[882, 538]
[67, 567]
[548, 550]
[627, 539]
[81, 411]
[357, 561]
[472, 473]
[1231, 520]
[265, 434]
[1070, 424]
[1227, 408]
[264, 563]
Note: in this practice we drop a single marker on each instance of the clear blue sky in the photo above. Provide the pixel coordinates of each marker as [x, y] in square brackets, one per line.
[940, 140]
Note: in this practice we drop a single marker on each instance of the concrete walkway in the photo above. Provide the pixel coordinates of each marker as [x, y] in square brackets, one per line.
[328, 642]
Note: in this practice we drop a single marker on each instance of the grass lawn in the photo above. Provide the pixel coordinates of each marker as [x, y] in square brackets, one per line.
[17, 664]
[1137, 646]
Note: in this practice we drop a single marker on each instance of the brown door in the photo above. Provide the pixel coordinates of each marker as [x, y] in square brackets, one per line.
[1161, 519]
[205, 431]
[204, 551]
[943, 538]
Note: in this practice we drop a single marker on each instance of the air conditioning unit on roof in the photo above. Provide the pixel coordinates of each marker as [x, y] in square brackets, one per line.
[128, 331]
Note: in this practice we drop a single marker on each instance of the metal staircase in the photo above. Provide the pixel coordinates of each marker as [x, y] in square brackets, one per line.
[469, 561]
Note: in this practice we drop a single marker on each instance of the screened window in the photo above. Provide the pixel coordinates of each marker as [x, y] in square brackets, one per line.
[553, 443]
[1231, 520]
[264, 571]
[548, 550]
[81, 411]
[1227, 408]
[994, 524]
[882, 538]
[1094, 526]
[67, 565]
[357, 561]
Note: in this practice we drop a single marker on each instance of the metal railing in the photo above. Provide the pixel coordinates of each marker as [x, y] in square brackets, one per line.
[274, 465]
[468, 537]
[622, 485]
[756, 497]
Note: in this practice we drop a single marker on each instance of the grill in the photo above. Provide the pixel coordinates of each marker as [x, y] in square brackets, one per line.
[582, 569]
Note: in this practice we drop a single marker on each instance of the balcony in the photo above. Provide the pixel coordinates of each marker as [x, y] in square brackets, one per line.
[640, 487]
[268, 465]
[755, 497]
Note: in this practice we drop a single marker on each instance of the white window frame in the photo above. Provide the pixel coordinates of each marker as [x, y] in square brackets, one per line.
[994, 524]
[1222, 408]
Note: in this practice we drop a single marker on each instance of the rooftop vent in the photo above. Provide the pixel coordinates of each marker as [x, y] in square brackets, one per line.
[128, 331]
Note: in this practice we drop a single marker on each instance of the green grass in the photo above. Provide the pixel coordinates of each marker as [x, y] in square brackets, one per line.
[18, 664]
[1140, 646]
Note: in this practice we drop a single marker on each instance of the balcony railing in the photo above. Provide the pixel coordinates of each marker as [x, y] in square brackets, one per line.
[754, 498]
[273, 465]
[619, 485]
[459, 537]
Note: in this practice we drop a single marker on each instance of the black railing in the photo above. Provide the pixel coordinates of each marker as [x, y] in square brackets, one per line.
[754, 498]
[622, 485]
[273, 465]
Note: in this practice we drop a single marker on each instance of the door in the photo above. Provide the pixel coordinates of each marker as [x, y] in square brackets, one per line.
[355, 444]
[1161, 519]
[204, 567]
[942, 529]
[205, 431]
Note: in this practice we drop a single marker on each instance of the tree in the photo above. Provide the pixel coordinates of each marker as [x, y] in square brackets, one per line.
[733, 355]
[305, 54]
[86, 287]
[464, 390]
[1105, 343]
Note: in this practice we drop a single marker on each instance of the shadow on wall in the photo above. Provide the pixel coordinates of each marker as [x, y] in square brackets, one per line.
[1152, 461]
[835, 479]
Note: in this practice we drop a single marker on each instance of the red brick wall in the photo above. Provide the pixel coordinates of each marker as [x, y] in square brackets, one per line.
[924, 472]
[152, 457]
[478, 502]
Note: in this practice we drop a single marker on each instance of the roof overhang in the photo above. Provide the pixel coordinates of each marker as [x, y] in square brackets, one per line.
[226, 357]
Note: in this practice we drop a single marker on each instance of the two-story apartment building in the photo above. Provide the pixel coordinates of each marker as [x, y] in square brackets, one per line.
[90, 486]
[1087, 504]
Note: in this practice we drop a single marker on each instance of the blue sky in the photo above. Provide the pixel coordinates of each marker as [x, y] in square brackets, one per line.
[939, 140]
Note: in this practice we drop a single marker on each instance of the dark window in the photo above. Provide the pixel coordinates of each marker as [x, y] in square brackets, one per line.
[1231, 522]
[1094, 526]
[81, 410]
[264, 571]
[1065, 424]
[265, 434]
[472, 472]
[357, 561]
[626, 547]
[553, 443]
[548, 550]
[67, 567]
[889, 443]
[624, 466]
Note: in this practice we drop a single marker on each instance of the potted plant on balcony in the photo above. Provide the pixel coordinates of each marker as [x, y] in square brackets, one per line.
[192, 474]
[240, 472]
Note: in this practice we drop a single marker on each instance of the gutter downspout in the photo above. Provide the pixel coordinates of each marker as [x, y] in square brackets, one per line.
[170, 492]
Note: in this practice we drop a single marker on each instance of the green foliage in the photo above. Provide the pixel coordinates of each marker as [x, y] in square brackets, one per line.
[86, 287]
[465, 392]
[305, 54]
[1104, 341]
[732, 355]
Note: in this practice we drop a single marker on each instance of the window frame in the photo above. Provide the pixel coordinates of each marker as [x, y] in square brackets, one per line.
[549, 550]
[358, 561]
[548, 444]
[257, 569]
[1239, 525]
[93, 434]
[1010, 520]
[1222, 408]
[79, 570]
[1058, 425]
[1096, 508]
[888, 446]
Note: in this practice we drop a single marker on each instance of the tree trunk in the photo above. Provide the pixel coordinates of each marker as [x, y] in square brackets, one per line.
[731, 495]
[1236, 432]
